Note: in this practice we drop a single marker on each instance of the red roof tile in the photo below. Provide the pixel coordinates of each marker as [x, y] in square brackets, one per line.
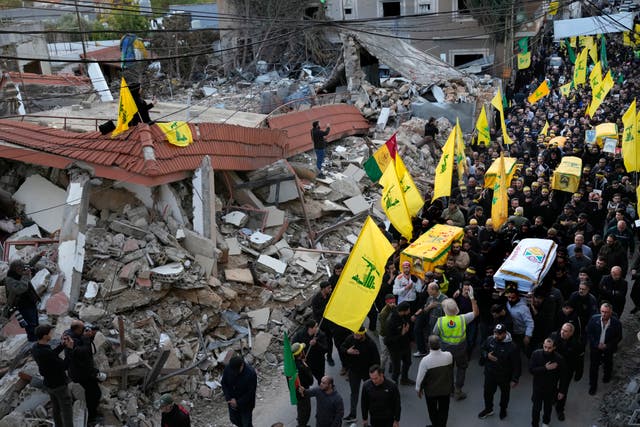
[49, 79]
[345, 120]
[110, 55]
[122, 158]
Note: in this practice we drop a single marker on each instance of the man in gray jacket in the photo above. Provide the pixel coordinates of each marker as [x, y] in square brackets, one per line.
[435, 380]
[329, 409]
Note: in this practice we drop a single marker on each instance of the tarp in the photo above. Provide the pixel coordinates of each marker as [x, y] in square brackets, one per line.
[527, 265]
[491, 173]
[614, 23]
[430, 249]
[567, 175]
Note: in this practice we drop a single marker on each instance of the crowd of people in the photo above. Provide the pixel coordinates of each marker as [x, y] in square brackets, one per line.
[456, 308]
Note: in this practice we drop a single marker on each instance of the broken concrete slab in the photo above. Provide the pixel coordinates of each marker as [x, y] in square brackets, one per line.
[121, 226]
[57, 304]
[241, 275]
[307, 260]
[271, 264]
[203, 296]
[259, 318]
[91, 313]
[237, 218]
[345, 187]
[259, 240]
[197, 244]
[357, 204]
[275, 217]
[45, 200]
[284, 190]
[354, 172]
[12, 346]
[321, 192]
[234, 246]
[206, 263]
[329, 206]
[261, 343]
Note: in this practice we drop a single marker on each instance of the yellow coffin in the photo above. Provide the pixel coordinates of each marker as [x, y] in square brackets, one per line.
[491, 173]
[567, 175]
[606, 130]
[431, 249]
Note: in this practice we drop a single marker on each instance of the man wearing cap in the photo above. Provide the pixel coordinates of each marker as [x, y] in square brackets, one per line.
[522, 320]
[502, 369]
[398, 341]
[360, 354]
[406, 286]
[452, 330]
[435, 380]
[305, 376]
[239, 383]
[380, 402]
[173, 414]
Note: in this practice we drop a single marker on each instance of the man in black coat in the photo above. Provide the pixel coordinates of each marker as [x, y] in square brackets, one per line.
[398, 341]
[602, 345]
[21, 295]
[173, 414]
[319, 144]
[569, 346]
[360, 354]
[613, 289]
[316, 347]
[380, 403]
[318, 304]
[306, 380]
[502, 368]
[239, 383]
[548, 367]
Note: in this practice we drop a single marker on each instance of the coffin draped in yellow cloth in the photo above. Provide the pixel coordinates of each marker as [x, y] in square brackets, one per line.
[491, 173]
[431, 249]
[567, 175]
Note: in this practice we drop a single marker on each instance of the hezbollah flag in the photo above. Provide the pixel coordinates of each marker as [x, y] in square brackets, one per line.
[600, 93]
[412, 196]
[361, 278]
[290, 370]
[497, 103]
[626, 39]
[127, 108]
[377, 164]
[177, 133]
[394, 204]
[580, 69]
[629, 148]
[545, 128]
[499, 203]
[542, 91]
[638, 197]
[595, 76]
[444, 170]
[461, 158]
[565, 90]
[482, 127]
[524, 60]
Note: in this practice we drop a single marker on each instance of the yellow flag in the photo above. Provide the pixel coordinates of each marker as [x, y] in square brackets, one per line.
[497, 103]
[444, 170]
[626, 39]
[524, 60]
[499, 203]
[599, 94]
[595, 77]
[461, 158]
[177, 133]
[541, 91]
[482, 127]
[545, 128]
[127, 108]
[638, 197]
[565, 90]
[393, 202]
[412, 196]
[629, 139]
[553, 7]
[573, 42]
[361, 278]
[580, 69]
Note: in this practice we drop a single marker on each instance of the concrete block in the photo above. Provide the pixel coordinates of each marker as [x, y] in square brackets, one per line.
[206, 263]
[241, 275]
[127, 229]
[91, 291]
[259, 318]
[11, 347]
[130, 245]
[57, 304]
[354, 172]
[237, 218]
[259, 240]
[271, 264]
[91, 313]
[357, 204]
[288, 191]
[261, 343]
[275, 217]
[197, 244]
[242, 195]
[321, 192]
[228, 293]
[351, 238]
[234, 246]
[329, 206]
[346, 187]
[46, 201]
[307, 260]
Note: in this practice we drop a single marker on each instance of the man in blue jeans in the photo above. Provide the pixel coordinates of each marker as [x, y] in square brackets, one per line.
[319, 144]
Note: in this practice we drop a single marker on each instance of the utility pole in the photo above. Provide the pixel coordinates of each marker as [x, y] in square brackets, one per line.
[84, 48]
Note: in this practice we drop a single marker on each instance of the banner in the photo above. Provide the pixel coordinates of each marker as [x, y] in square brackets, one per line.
[377, 164]
[394, 204]
[603, 52]
[411, 194]
[461, 158]
[570, 52]
[127, 108]
[482, 127]
[444, 170]
[177, 133]
[565, 90]
[360, 280]
[500, 201]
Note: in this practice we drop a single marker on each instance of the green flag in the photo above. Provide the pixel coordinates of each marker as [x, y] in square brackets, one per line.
[570, 52]
[603, 53]
[523, 45]
[290, 370]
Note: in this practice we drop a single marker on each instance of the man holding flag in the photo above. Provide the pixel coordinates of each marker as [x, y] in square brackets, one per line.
[329, 406]
[305, 379]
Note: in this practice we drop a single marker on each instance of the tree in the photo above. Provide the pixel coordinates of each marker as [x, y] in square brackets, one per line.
[124, 17]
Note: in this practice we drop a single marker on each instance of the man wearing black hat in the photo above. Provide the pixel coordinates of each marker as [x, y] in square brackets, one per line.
[239, 383]
[502, 369]
[360, 354]
[173, 414]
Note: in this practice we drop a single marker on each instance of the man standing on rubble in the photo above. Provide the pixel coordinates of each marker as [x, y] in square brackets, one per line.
[173, 415]
[319, 144]
[52, 369]
[239, 383]
[22, 296]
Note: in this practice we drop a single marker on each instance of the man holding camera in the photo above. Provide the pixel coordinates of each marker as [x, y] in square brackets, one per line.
[21, 295]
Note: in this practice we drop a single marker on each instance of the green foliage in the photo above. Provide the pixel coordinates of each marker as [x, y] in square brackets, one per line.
[10, 4]
[124, 17]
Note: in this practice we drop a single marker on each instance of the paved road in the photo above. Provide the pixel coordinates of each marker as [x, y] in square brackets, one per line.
[581, 410]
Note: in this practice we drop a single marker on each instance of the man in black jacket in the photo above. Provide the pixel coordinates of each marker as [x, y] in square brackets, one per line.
[360, 354]
[21, 295]
[380, 403]
[548, 368]
[239, 383]
[398, 341]
[173, 414]
[318, 304]
[569, 346]
[52, 369]
[319, 144]
[315, 342]
[502, 368]
[81, 366]
[306, 380]
[613, 289]
[602, 345]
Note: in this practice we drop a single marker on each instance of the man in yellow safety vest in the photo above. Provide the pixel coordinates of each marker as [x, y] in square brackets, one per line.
[452, 330]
